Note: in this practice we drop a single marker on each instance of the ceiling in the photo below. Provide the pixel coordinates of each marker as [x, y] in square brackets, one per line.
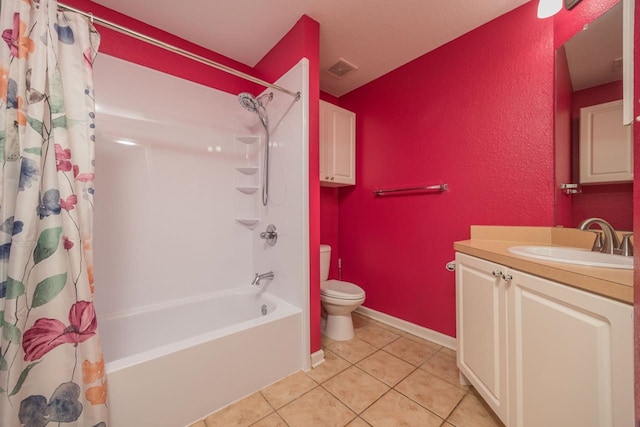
[376, 36]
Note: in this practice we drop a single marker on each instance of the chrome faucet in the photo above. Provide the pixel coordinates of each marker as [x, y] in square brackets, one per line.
[611, 243]
[267, 276]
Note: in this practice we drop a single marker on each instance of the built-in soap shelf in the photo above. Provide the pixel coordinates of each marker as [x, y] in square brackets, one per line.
[248, 190]
[247, 180]
[249, 222]
[249, 170]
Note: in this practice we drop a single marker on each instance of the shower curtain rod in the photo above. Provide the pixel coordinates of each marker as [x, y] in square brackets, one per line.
[177, 50]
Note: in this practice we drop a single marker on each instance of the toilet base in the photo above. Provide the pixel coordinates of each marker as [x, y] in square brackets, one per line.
[339, 327]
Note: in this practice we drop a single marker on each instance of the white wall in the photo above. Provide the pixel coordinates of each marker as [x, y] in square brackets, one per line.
[165, 209]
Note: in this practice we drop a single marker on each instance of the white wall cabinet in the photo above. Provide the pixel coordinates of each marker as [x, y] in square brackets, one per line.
[606, 145]
[542, 353]
[337, 146]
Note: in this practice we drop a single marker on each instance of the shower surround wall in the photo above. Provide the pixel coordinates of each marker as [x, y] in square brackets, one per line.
[166, 229]
[167, 201]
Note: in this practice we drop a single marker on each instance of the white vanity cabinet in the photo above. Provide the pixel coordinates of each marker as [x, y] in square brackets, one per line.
[606, 145]
[337, 146]
[541, 353]
[482, 329]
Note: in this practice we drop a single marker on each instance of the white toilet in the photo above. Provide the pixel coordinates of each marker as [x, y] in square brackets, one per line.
[339, 299]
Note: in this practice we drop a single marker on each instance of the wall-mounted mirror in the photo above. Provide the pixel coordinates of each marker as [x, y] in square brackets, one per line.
[589, 72]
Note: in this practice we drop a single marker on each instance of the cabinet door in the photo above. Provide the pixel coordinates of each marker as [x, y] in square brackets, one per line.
[337, 145]
[481, 329]
[606, 145]
[571, 356]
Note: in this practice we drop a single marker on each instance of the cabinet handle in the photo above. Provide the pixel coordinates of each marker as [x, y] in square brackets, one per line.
[331, 178]
[326, 177]
[507, 277]
[496, 273]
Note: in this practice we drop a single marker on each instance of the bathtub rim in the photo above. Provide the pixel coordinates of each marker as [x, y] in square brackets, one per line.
[282, 309]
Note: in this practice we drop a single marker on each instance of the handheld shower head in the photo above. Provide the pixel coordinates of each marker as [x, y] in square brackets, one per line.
[248, 101]
[255, 105]
[252, 103]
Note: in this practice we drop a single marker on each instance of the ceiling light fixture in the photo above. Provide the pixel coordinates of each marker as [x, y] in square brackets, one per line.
[547, 8]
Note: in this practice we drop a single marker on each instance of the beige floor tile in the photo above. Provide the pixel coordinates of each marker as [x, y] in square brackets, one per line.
[316, 408]
[273, 420]
[355, 388]
[394, 409]
[448, 352]
[333, 365]
[199, 423]
[360, 321]
[443, 366]
[386, 367]
[376, 335]
[435, 394]
[353, 350]
[326, 341]
[358, 422]
[390, 328]
[288, 389]
[473, 412]
[242, 413]
[423, 341]
[412, 351]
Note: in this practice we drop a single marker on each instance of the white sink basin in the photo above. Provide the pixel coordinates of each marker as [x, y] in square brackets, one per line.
[573, 256]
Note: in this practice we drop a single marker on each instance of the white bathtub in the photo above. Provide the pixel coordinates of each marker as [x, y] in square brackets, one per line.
[171, 364]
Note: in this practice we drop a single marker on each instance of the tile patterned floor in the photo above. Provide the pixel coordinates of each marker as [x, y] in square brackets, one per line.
[382, 377]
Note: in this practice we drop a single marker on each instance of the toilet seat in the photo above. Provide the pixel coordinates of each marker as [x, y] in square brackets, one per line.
[341, 290]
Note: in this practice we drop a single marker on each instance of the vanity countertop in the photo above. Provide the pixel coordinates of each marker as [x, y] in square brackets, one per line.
[491, 243]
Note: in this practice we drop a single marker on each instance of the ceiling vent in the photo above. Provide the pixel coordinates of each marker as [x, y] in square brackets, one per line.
[341, 68]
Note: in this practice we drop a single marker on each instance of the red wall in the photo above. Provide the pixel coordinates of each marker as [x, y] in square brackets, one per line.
[477, 114]
[304, 41]
[636, 210]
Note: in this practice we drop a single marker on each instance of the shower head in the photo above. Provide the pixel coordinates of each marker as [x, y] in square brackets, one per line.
[248, 101]
[252, 103]
[255, 105]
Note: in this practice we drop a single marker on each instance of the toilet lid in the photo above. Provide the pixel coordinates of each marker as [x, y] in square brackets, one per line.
[340, 289]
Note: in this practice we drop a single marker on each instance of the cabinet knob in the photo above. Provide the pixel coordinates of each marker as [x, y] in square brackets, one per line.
[331, 178]
[496, 273]
[507, 277]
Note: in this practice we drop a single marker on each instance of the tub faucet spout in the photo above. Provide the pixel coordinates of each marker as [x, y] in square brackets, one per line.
[267, 276]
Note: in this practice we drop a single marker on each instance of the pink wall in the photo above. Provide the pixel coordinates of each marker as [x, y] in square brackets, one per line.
[304, 41]
[636, 210]
[125, 47]
[476, 114]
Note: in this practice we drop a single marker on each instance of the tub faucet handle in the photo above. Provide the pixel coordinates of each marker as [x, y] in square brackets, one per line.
[270, 235]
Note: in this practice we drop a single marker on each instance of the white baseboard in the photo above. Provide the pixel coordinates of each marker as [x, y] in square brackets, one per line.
[412, 328]
[317, 358]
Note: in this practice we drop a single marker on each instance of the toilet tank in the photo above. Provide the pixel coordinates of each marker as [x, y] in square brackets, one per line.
[325, 261]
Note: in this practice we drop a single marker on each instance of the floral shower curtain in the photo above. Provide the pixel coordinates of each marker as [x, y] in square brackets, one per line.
[51, 364]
